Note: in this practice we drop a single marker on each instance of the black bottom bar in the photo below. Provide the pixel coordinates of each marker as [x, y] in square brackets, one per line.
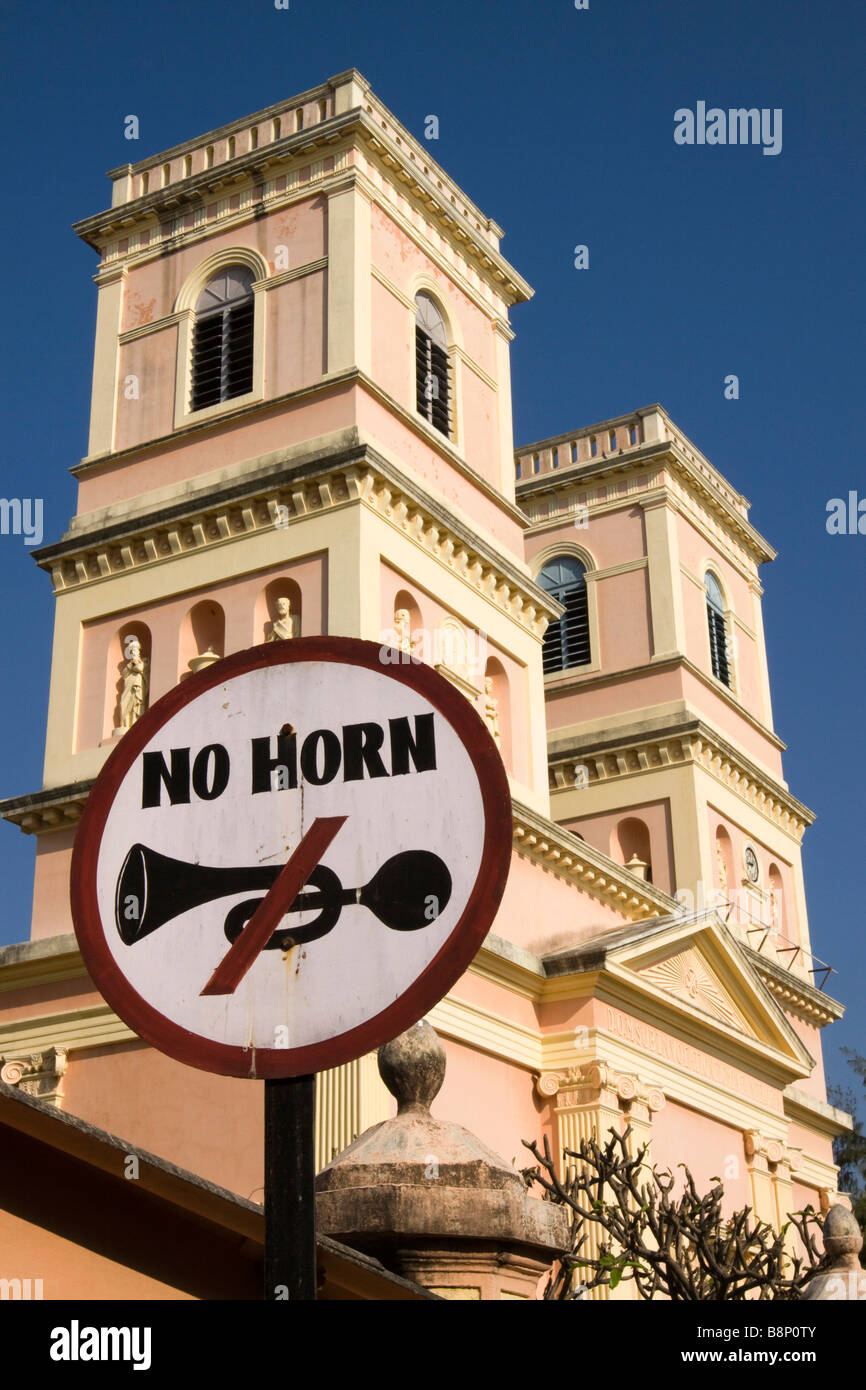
[290, 1192]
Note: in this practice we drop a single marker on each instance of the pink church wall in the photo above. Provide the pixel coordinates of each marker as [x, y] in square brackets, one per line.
[599, 832]
[492, 1098]
[726, 718]
[544, 913]
[174, 1111]
[152, 286]
[624, 620]
[403, 261]
[612, 538]
[51, 884]
[146, 367]
[810, 1036]
[477, 407]
[220, 445]
[710, 1150]
[422, 459]
[583, 702]
[393, 343]
[295, 353]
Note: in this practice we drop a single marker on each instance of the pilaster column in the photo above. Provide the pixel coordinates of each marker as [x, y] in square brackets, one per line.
[349, 284]
[665, 581]
[591, 1100]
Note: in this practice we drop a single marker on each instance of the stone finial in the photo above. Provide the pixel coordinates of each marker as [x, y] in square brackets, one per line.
[843, 1241]
[413, 1068]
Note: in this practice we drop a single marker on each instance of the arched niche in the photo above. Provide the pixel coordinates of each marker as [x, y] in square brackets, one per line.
[454, 650]
[496, 706]
[630, 840]
[203, 630]
[724, 866]
[120, 648]
[777, 898]
[267, 612]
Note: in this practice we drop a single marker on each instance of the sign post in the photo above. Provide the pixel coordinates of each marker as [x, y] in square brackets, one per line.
[287, 861]
[290, 1187]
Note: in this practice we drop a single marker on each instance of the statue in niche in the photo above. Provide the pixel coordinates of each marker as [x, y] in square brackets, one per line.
[406, 641]
[723, 870]
[491, 710]
[133, 695]
[281, 627]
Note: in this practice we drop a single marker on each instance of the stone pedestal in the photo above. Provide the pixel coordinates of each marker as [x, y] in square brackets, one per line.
[430, 1200]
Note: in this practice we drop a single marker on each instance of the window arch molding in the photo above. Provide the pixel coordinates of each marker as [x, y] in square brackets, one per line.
[563, 549]
[184, 308]
[716, 601]
[421, 284]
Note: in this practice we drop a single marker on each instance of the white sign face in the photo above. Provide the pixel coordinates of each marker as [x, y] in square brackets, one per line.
[291, 857]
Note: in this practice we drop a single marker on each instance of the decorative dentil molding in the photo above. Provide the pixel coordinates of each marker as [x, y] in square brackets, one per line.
[697, 746]
[563, 854]
[287, 501]
[39, 1075]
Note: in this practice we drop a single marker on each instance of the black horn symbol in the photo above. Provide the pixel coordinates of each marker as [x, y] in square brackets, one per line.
[410, 890]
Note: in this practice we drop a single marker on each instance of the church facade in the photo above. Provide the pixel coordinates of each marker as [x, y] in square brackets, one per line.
[301, 424]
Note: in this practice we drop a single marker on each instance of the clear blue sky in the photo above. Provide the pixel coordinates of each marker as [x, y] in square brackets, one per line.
[704, 261]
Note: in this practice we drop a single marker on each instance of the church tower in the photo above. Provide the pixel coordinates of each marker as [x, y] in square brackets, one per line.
[659, 720]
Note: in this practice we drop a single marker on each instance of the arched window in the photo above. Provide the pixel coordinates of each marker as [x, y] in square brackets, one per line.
[222, 351]
[718, 629]
[432, 386]
[566, 643]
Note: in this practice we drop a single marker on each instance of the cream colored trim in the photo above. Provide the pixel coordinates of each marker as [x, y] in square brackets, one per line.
[145, 329]
[284, 277]
[207, 268]
[487, 1031]
[626, 567]
[665, 596]
[106, 377]
[96, 1025]
[473, 366]
[387, 283]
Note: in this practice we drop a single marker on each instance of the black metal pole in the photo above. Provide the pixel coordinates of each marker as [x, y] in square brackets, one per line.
[290, 1188]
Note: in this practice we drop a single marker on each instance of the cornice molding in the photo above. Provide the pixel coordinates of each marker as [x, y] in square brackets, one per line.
[561, 853]
[331, 383]
[678, 743]
[700, 482]
[795, 994]
[375, 129]
[358, 475]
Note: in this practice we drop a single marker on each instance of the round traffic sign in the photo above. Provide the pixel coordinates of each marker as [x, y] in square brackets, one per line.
[291, 857]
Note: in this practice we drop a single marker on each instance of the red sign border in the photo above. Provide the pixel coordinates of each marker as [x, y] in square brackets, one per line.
[446, 967]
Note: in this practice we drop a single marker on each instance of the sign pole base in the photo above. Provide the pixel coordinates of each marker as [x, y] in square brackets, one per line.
[290, 1191]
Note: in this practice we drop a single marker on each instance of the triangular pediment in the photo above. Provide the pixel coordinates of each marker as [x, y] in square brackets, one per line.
[688, 975]
[699, 966]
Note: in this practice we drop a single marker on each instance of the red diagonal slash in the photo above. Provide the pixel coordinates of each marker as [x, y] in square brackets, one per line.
[238, 959]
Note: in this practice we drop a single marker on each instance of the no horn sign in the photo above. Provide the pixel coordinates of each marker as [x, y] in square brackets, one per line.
[291, 857]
